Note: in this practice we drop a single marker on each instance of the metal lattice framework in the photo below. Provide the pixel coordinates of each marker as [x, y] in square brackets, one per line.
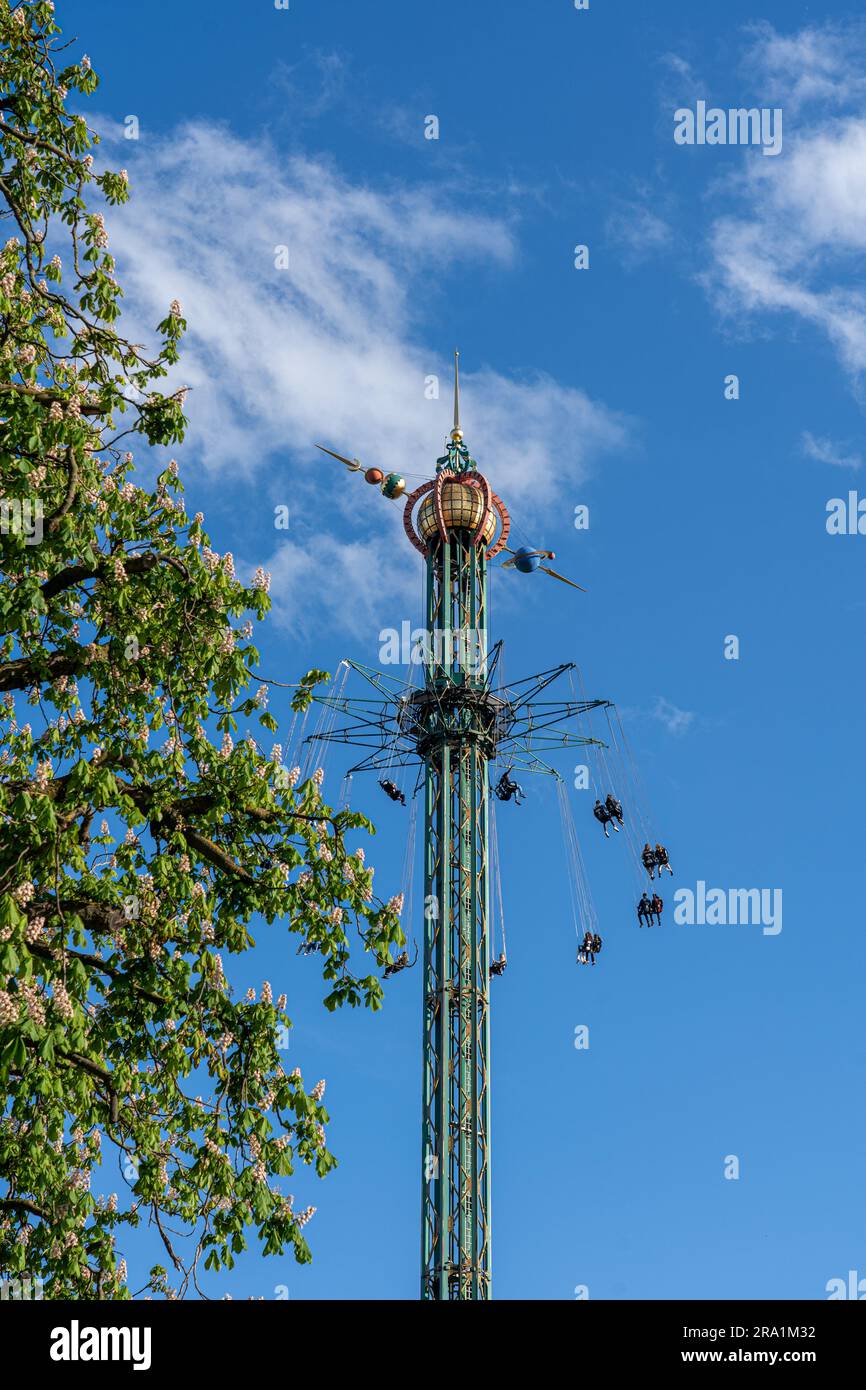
[453, 723]
[402, 725]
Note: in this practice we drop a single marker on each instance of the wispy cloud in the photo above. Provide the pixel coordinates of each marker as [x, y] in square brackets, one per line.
[675, 720]
[795, 243]
[829, 451]
[817, 64]
[331, 349]
[313, 84]
[664, 712]
[638, 230]
[679, 81]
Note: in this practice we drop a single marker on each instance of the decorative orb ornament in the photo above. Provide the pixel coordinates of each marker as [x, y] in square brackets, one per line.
[462, 510]
[373, 475]
[394, 485]
[526, 560]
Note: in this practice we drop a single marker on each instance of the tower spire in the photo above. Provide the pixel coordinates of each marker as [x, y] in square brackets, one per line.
[456, 433]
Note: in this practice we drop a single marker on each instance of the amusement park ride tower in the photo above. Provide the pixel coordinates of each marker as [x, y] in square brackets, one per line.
[456, 724]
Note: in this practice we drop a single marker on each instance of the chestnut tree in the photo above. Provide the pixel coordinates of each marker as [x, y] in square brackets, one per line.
[143, 841]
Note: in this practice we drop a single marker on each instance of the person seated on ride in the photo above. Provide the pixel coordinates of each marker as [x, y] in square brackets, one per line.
[393, 791]
[602, 815]
[401, 963]
[649, 860]
[657, 905]
[662, 860]
[590, 948]
[644, 911]
[614, 809]
[498, 964]
[506, 789]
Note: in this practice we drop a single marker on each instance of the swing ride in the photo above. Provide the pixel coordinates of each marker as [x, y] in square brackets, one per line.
[448, 741]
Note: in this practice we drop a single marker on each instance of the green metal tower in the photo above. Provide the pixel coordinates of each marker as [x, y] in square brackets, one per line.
[454, 725]
[458, 718]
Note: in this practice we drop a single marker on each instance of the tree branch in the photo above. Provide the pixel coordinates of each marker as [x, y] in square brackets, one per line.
[133, 564]
[25, 671]
[46, 953]
[71, 491]
[44, 397]
[21, 1204]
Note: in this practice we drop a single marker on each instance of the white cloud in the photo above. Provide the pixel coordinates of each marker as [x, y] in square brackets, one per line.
[313, 84]
[679, 81]
[816, 64]
[638, 230]
[330, 350]
[828, 451]
[344, 586]
[795, 244]
[791, 251]
[675, 720]
[276, 356]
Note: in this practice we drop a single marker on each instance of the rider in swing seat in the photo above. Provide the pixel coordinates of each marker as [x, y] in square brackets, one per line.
[662, 861]
[603, 816]
[505, 788]
[393, 791]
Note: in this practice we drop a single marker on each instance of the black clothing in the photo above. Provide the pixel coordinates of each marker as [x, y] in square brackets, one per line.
[392, 791]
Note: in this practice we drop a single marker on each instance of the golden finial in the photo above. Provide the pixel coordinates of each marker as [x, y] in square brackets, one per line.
[456, 433]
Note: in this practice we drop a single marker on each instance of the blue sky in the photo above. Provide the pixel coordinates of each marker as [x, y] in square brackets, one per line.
[603, 387]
